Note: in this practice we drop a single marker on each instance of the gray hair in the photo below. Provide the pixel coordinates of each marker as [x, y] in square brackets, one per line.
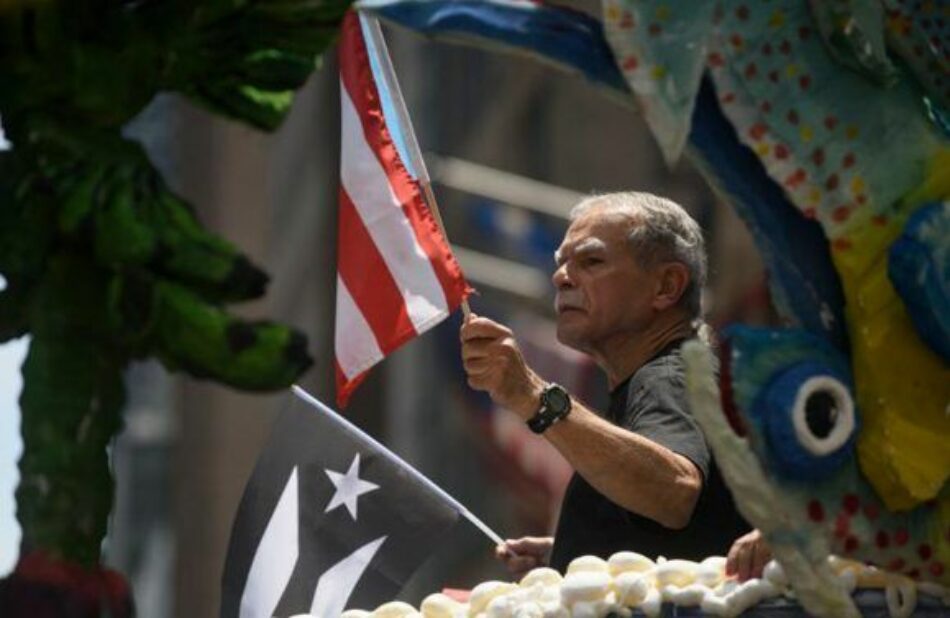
[664, 232]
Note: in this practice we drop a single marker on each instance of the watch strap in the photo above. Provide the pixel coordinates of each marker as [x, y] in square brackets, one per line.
[541, 421]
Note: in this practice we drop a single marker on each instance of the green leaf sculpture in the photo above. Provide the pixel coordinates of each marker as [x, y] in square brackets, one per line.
[103, 263]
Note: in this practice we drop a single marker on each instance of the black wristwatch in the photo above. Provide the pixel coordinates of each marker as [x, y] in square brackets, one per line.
[555, 405]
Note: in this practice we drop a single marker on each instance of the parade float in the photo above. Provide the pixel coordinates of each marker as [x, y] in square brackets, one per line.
[823, 124]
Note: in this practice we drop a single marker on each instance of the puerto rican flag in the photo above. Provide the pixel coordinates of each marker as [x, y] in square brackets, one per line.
[396, 276]
[330, 519]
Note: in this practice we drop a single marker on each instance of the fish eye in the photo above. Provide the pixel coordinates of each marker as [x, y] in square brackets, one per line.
[810, 420]
[823, 415]
[821, 411]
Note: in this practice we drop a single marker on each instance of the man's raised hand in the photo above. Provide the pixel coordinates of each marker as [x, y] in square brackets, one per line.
[493, 363]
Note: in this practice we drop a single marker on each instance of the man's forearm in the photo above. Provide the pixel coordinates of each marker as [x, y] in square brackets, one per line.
[640, 475]
[634, 472]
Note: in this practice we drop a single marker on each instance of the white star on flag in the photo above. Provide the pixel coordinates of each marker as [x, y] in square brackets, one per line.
[349, 487]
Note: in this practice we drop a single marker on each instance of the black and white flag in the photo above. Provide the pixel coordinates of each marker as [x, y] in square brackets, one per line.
[329, 520]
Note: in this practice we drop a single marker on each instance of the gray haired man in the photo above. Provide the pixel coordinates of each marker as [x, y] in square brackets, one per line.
[629, 279]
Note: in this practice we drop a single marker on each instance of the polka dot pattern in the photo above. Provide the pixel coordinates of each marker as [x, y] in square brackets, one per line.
[648, 38]
[809, 119]
[859, 527]
[816, 124]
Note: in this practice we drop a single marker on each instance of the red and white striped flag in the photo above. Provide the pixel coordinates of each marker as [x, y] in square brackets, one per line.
[396, 276]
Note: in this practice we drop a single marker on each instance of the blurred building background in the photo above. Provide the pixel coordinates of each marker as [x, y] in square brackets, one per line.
[511, 144]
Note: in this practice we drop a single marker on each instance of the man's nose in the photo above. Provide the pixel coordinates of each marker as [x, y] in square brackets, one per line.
[560, 278]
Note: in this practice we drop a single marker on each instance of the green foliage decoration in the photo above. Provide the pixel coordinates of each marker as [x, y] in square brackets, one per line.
[104, 263]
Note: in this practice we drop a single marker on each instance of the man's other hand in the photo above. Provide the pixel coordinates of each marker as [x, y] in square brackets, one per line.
[748, 556]
[522, 555]
[493, 363]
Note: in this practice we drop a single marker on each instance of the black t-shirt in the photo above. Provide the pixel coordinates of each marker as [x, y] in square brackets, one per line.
[651, 403]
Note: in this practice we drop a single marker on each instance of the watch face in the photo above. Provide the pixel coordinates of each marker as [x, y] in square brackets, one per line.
[557, 399]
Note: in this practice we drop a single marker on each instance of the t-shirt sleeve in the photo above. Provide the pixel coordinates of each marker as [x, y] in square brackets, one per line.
[657, 410]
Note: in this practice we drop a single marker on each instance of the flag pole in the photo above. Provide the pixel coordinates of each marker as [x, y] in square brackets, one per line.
[388, 74]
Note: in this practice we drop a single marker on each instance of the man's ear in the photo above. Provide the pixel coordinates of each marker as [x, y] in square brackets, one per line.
[672, 281]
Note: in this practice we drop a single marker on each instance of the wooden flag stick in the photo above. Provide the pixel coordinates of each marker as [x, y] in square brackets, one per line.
[434, 207]
[379, 53]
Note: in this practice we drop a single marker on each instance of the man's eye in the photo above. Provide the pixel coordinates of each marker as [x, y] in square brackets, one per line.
[591, 261]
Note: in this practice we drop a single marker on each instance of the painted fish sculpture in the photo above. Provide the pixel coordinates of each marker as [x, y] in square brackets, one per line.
[845, 443]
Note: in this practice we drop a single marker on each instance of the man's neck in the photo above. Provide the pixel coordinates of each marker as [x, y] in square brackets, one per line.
[627, 354]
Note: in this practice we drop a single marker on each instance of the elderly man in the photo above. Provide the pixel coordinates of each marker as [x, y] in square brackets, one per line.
[629, 277]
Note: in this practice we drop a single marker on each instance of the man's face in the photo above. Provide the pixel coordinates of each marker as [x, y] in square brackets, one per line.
[603, 295]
